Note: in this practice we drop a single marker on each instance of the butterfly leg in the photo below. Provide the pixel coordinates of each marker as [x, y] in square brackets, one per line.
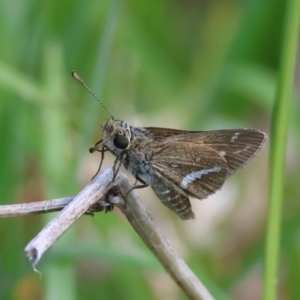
[118, 163]
[96, 148]
[136, 186]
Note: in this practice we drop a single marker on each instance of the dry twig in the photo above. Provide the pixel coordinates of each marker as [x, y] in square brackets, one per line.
[101, 194]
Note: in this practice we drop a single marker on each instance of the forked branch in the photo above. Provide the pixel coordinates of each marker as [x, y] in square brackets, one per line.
[100, 194]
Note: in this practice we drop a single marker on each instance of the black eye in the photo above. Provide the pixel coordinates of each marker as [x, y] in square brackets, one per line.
[121, 141]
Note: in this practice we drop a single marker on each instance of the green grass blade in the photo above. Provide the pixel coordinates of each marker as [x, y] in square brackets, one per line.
[278, 147]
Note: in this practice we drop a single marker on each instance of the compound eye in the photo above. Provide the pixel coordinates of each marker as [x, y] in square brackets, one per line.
[121, 141]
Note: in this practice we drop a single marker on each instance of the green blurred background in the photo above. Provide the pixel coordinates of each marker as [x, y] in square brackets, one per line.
[195, 65]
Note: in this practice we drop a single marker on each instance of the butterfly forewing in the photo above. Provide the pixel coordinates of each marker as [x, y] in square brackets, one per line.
[238, 146]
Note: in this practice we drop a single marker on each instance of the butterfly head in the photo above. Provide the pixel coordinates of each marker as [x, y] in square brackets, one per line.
[116, 135]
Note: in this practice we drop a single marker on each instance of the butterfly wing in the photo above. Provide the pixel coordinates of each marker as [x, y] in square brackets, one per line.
[197, 164]
[200, 172]
[173, 197]
[180, 172]
[157, 132]
[237, 146]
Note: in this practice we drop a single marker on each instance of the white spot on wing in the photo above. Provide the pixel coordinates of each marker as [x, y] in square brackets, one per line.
[194, 175]
[235, 136]
[181, 208]
[174, 165]
[222, 153]
[239, 151]
[165, 192]
[178, 203]
[197, 159]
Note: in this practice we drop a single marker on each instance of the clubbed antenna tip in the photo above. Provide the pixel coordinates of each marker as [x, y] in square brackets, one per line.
[77, 77]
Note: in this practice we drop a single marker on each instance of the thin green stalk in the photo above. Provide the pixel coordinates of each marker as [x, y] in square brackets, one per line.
[55, 162]
[278, 147]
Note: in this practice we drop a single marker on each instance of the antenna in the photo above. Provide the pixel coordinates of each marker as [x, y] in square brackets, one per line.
[78, 78]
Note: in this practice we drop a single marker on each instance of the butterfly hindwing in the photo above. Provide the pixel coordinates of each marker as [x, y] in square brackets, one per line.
[173, 197]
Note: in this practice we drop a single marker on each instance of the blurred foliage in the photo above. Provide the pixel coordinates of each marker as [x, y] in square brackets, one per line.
[195, 65]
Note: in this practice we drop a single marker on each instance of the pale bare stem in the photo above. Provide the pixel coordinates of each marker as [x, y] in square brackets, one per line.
[32, 208]
[153, 237]
[77, 207]
[95, 193]
[46, 206]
